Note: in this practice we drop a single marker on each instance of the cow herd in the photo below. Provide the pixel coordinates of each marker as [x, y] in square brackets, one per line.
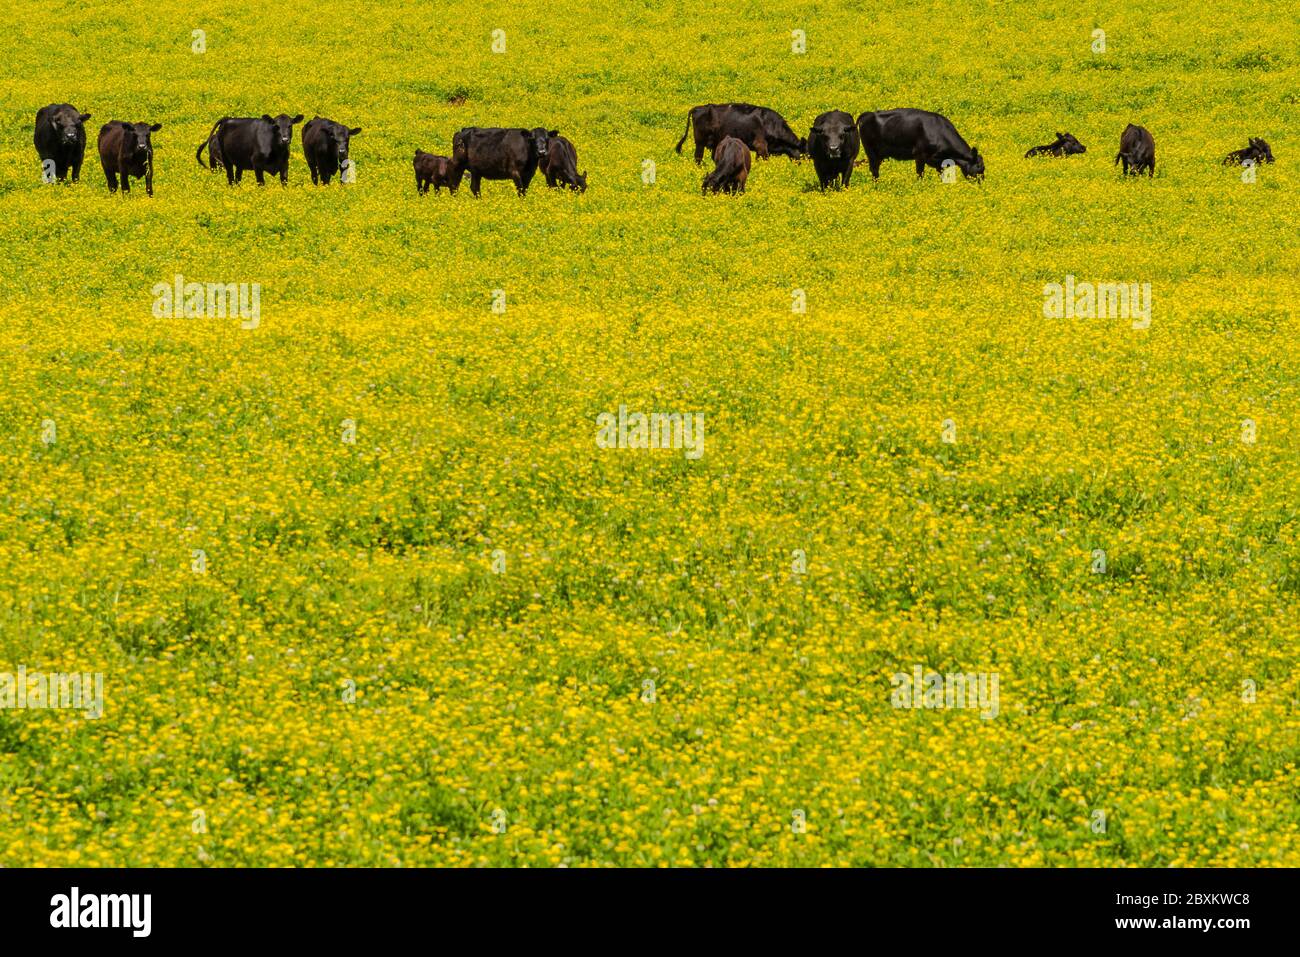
[729, 131]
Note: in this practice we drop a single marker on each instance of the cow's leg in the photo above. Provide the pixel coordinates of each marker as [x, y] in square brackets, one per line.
[148, 181]
[260, 174]
[699, 151]
[126, 182]
[312, 166]
[848, 172]
[76, 171]
[112, 180]
[521, 187]
[284, 172]
[230, 174]
[474, 180]
[1151, 168]
[920, 164]
[60, 171]
[325, 176]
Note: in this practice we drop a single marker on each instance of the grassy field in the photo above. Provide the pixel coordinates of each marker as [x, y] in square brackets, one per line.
[431, 645]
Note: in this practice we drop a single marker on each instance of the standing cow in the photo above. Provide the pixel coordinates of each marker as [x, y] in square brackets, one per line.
[126, 150]
[561, 165]
[261, 145]
[762, 130]
[833, 144]
[60, 139]
[1137, 150]
[436, 171]
[926, 138]
[730, 167]
[496, 153]
[325, 144]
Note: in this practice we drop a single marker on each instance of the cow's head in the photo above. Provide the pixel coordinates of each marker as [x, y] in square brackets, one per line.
[339, 138]
[972, 168]
[541, 138]
[283, 126]
[836, 138]
[1068, 145]
[1262, 153]
[582, 181]
[69, 125]
[137, 141]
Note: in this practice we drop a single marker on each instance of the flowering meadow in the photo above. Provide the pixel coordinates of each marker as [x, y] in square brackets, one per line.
[364, 588]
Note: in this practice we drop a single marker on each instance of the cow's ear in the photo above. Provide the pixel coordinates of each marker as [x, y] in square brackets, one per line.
[155, 128]
[552, 132]
[296, 119]
[267, 117]
[1060, 135]
[354, 132]
[84, 117]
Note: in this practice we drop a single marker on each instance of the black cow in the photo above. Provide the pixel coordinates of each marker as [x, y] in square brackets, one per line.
[496, 153]
[261, 145]
[325, 144]
[730, 167]
[1137, 150]
[833, 144]
[1257, 151]
[1065, 145]
[762, 130]
[918, 135]
[561, 165]
[126, 150]
[60, 137]
[436, 171]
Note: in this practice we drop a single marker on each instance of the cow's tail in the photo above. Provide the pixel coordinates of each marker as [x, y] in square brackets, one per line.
[688, 131]
[198, 153]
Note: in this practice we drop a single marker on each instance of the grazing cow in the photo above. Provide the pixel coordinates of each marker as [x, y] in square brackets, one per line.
[1065, 145]
[496, 153]
[1137, 150]
[325, 144]
[436, 171]
[1258, 152]
[762, 130]
[126, 150]
[918, 135]
[730, 167]
[561, 165]
[833, 144]
[60, 137]
[261, 145]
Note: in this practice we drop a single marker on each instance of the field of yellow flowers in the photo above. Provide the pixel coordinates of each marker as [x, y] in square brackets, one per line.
[364, 590]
